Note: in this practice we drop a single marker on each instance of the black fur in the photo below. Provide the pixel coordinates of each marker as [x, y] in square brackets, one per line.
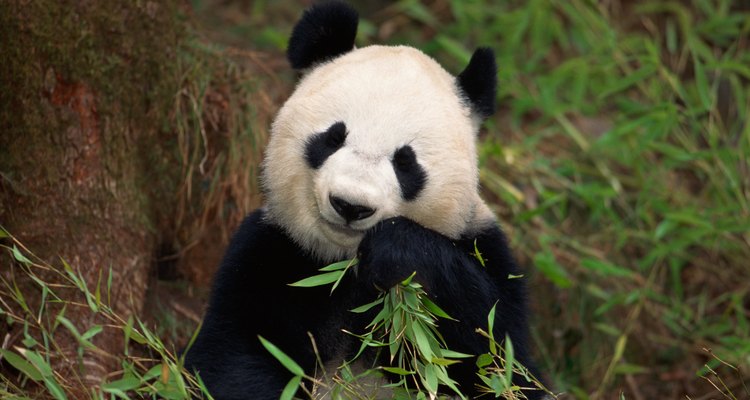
[411, 176]
[325, 31]
[478, 82]
[251, 297]
[322, 145]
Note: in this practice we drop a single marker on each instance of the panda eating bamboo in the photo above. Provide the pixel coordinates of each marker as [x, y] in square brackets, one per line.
[373, 156]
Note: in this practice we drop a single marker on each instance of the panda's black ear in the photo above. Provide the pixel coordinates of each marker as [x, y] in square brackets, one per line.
[325, 31]
[478, 82]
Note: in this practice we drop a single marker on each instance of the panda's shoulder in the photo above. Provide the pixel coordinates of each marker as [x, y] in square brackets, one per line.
[256, 232]
[491, 243]
[259, 247]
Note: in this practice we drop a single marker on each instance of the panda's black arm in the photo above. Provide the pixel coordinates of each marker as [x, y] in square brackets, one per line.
[251, 297]
[456, 280]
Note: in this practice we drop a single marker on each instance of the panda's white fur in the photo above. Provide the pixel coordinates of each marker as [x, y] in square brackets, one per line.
[388, 97]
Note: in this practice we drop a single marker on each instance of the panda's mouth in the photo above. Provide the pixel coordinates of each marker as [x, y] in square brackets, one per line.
[343, 229]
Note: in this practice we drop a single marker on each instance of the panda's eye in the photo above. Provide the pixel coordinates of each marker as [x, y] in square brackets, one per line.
[336, 135]
[404, 158]
[322, 145]
[412, 178]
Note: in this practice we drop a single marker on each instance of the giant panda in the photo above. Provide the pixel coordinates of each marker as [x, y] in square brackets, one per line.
[372, 156]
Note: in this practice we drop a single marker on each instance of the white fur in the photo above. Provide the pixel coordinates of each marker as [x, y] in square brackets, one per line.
[388, 97]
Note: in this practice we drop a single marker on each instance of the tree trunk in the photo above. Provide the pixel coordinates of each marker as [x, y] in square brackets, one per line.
[125, 144]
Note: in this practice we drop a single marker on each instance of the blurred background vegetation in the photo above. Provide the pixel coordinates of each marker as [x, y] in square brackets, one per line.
[618, 163]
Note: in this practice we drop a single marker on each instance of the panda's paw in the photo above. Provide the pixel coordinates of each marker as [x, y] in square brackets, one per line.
[391, 251]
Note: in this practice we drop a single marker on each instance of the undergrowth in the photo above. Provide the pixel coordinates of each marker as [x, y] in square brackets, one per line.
[405, 331]
[150, 368]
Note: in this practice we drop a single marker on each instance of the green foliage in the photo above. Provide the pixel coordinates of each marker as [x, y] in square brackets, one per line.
[406, 325]
[156, 372]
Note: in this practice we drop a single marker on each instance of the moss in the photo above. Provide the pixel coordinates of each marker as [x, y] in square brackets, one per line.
[107, 68]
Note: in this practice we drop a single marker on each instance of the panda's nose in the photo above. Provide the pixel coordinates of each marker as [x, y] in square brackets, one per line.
[350, 212]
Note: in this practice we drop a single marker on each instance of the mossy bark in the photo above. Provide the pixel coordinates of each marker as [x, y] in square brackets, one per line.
[120, 138]
[84, 88]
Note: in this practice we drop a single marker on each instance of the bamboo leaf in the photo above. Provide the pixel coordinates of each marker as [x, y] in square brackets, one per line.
[19, 256]
[701, 83]
[433, 308]
[129, 382]
[397, 371]
[484, 360]
[490, 326]
[284, 359]
[367, 306]
[54, 388]
[443, 361]
[430, 378]
[93, 331]
[423, 344]
[509, 359]
[291, 388]
[318, 280]
[22, 365]
[341, 265]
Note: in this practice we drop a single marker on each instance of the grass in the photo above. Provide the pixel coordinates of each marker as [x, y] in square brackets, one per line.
[618, 163]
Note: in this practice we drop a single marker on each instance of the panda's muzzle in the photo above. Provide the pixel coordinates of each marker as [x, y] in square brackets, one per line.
[350, 212]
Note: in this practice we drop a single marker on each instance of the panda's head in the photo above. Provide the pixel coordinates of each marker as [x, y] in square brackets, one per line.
[373, 133]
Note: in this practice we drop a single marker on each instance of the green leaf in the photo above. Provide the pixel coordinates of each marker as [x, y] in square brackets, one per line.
[484, 360]
[548, 265]
[509, 359]
[433, 308]
[397, 371]
[490, 328]
[39, 362]
[367, 306]
[318, 280]
[478, 254]
[291, 388]
[81, 340]
[407, 281]
[606, 268]
[629, 369]
[701, 82]
[454, 354]
[54, 388]
[341, 265]
[92, 332]
[29, 342]
[153, 372]
[430, 378]
[22, 365]
[620, 347]
[455, 48]
[19, 256]
[284, 359]
[443, 361]
[423, 344]
[123, 385]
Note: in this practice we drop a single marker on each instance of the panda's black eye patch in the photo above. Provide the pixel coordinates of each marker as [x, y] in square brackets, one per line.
[411, 176]
[322, 145]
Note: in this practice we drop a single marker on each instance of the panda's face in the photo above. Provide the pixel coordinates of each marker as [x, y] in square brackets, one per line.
[376, 133]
